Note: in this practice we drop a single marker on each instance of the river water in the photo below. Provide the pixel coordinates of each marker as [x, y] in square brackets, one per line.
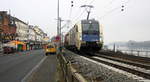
[143, 52]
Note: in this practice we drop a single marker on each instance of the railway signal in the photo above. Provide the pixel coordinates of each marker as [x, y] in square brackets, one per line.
[57, 38]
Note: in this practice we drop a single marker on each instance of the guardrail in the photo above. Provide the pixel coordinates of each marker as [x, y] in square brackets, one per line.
[135, 52]
[142, 53]
[69, 73]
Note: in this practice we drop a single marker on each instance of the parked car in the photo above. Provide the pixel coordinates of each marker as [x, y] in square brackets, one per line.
[1, 48]
[7, 50]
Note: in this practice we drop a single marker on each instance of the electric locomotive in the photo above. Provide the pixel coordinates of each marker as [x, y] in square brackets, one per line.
[85, 35]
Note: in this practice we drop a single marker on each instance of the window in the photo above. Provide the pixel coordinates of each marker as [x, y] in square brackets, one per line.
[90, 27]
[1, 18]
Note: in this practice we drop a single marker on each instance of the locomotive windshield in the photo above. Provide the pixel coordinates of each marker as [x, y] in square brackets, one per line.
[90, 28]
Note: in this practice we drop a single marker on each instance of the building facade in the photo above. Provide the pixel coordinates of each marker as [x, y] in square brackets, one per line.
[7, 27]
[31, 34]
[12, 28]
[22, 30]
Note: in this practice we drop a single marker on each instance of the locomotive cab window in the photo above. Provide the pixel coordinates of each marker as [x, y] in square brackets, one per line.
[90, 28]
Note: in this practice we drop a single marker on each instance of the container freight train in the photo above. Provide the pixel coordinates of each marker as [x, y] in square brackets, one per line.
[85, 35]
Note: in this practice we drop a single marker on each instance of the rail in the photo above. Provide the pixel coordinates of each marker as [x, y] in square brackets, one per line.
[69, 73]
[134, 69]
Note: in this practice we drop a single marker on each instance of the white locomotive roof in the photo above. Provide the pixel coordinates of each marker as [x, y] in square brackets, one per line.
[89, 21]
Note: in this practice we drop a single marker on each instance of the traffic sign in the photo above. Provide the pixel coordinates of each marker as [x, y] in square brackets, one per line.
[57, 39]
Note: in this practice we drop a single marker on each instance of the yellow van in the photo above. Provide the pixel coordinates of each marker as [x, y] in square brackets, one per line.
[50, 49]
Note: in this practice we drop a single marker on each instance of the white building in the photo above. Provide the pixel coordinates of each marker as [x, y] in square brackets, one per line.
[22, 30]
[31, 34]
[40, 35]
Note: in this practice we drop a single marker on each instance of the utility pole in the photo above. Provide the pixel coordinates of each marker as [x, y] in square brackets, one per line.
[58, 27]
[88, 9]
[58, 22]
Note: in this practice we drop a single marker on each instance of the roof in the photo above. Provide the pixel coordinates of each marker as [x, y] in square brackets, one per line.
[16, 19]
[88, 21]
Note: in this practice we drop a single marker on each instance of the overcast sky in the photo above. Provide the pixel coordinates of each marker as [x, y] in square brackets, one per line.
[131, 24]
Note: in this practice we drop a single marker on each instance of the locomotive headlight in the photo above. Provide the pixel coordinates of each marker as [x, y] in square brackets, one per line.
[83, 42]
[80, 38]
[97, 42]
[99, 39]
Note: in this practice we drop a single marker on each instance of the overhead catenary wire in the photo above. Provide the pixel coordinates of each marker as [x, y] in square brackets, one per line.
[85, 1]
[70, 13]
[91, 1]
[76, 19]
[67, 24]
[76, 16]
[109, 12]
[115, 9]
[124, 2]
[109, 3]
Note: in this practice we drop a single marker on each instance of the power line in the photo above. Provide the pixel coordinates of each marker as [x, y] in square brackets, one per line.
[91, 1]
[76, 14]
[111, 2]
[121, 7]
[79, 16]
[85, 1]
[109, 12]
[70, 12]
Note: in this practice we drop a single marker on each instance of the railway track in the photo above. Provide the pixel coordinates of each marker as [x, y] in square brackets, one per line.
[142, 65]
[141, 70]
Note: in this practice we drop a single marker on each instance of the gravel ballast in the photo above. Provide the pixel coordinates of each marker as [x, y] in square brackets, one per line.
[95, 72]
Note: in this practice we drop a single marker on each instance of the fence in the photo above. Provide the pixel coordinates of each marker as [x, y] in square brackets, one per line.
[142, 53]
[69, 73]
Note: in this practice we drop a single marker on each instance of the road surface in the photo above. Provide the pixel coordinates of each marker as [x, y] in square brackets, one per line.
[14, 67]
